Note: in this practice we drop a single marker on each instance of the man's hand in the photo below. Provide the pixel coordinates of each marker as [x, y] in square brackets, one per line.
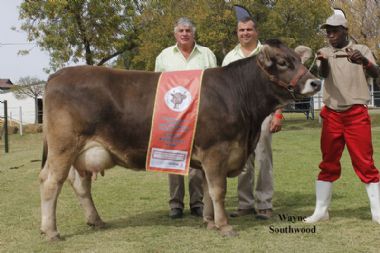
[321, 56]
[275, 124]
[356, 57]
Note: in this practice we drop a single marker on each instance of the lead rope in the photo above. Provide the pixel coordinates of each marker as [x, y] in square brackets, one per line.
[312, 64]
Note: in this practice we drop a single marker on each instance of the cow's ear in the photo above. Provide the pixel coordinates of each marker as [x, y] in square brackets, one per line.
[304, 52]
[265, 56]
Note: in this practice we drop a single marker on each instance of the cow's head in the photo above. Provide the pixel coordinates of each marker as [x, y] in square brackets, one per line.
[284, 68]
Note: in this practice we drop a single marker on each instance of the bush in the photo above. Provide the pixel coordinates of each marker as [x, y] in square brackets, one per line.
[33, 128]
[13, 129]
[29, 128]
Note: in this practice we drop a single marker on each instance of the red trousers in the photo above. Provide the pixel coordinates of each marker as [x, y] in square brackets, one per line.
[351, 127]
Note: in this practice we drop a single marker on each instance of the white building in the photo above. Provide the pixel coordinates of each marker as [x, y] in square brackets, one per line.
[19, 110]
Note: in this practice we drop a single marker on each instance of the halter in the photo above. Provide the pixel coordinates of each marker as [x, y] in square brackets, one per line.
[288, 86]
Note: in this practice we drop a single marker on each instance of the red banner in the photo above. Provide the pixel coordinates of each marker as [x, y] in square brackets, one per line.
[174, 120]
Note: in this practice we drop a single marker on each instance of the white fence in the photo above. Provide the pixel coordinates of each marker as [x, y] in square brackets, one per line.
[308, 106]
[373, 103]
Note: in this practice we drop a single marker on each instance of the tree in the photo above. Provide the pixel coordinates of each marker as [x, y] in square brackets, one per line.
[297, 22]
[215, 24]
[293, 21]
[136, 31]
[30, 87]
[73, 30]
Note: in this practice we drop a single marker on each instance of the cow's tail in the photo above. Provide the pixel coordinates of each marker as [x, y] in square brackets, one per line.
[44, 153]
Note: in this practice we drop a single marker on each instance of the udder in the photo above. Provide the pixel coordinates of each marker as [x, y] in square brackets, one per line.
[94, 158]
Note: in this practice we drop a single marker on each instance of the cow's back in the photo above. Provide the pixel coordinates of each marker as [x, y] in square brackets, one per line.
[100, 105]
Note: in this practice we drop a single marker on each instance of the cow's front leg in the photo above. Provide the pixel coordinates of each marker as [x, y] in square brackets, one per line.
[82, 188]
[208, 207]
[217, 184]
[51, 182]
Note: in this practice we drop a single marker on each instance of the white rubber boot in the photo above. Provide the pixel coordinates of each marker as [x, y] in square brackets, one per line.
[323, 192]
[373, 191]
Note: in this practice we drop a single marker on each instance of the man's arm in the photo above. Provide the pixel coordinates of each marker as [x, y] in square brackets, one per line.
[357, 57]
[372, 69]
[158, 66]
[323, 68]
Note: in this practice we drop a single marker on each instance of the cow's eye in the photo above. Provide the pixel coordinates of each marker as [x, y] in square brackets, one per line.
[282, 63]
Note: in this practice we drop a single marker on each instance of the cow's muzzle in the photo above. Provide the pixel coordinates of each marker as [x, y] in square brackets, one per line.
[311, 87]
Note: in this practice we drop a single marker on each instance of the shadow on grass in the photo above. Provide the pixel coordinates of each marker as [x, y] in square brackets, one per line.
[145, 219]
[301, 204]
[286, 203]
[161, 218]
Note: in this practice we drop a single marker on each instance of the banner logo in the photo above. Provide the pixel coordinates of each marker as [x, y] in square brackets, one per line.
[178, 99]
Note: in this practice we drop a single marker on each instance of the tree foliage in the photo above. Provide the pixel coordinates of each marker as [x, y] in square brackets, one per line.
[293, 21]
[93, 31]
[136, 31]
[212, 19]
[297, 22]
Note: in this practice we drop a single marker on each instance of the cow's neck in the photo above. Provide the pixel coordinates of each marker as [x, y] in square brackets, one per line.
[257, 93]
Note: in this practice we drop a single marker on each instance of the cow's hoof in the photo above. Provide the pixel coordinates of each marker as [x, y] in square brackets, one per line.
[99, 224]
[56, 238]
[228, 231]
[52, 237]
[209, 222]
[210, 225]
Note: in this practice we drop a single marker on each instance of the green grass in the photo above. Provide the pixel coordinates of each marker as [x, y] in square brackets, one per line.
[134, 205]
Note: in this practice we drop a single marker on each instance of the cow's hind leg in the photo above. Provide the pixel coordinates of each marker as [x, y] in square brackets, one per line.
[52, 177]
[82, 188]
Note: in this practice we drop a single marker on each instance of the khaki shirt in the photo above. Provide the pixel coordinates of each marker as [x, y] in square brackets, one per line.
[171, 59]
[346, 84]
[237, 54]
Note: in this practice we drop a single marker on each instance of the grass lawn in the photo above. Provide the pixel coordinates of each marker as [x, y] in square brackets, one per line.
[134, 205]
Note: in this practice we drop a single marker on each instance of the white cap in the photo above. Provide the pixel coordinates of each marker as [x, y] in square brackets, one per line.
[335, 20]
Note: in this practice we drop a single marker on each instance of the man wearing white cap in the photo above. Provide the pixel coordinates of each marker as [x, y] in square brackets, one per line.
[344, 66]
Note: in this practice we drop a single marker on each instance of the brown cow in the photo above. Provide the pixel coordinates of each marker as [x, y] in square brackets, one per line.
[96, 118]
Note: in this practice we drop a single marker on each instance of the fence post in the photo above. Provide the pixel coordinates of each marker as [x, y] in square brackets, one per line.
[20, 111]
[6, 144]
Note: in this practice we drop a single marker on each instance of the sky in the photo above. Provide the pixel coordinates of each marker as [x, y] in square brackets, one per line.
[12, 65]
